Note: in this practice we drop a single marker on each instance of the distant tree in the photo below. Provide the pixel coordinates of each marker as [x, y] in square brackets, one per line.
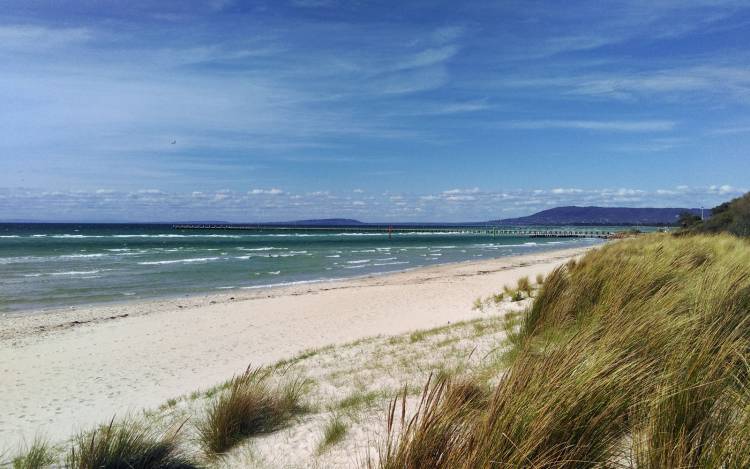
[741, 216]
[732, 217]
[688, 220]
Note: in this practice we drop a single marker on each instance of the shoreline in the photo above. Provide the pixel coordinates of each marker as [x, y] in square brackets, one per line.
[68, 370]
[115, 301]
[15, 324]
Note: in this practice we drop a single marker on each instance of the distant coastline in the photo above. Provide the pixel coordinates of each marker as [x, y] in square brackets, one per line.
[558, 216]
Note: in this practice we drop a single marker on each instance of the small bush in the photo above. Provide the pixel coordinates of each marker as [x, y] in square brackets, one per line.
[334, 431]
[38, 455]
[125, 445]
[250, 406]
[516, 296]
[478, 305]
[539, 279]
[497, 298]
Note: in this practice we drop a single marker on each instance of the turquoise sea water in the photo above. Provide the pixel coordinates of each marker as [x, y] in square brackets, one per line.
[44, 266]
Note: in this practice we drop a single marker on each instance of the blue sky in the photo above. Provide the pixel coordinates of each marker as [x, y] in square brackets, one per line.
[376, 110]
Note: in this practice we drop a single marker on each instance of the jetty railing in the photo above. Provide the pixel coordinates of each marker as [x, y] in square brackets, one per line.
[394, 229]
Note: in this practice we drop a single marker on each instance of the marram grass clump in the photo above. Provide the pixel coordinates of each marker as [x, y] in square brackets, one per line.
[127, 444]
[37, 455]
[334, 432]
[250, 405]
[635, 356]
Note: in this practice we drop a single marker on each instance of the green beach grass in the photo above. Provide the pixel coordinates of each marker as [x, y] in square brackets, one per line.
[635, 356]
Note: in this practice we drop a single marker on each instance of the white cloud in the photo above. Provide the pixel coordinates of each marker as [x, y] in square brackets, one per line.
[273, 191]
[561, 190]
[473, 190]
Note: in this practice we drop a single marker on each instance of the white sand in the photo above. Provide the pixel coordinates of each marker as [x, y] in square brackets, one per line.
[59, 376]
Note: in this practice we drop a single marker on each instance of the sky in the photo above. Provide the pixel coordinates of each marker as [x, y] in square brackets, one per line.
[375, 110]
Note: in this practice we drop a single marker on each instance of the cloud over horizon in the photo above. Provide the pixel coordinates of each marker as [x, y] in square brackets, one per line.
[262, 205]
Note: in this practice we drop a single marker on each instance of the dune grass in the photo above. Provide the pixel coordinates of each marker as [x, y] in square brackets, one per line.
[539, 279]
[524, 285]
[333, 432]
[635, 356]
[125, 445]
[250, 405]
[38, 454]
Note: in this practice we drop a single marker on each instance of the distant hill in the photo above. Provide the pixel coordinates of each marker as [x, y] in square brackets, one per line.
[573, 215]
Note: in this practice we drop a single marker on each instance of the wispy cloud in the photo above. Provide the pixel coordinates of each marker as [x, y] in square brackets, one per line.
[605, 126]
[662, 83]
[731, 130]
[34, 37]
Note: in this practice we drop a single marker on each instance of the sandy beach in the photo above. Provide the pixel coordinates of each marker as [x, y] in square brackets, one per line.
[66, 370]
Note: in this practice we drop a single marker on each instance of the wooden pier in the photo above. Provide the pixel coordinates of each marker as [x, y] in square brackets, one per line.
[476, 230]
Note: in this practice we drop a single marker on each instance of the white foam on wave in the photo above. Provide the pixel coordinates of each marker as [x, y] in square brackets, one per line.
[82, 256]
[175, 236]
[180, 261]
[77, 272]
[265, 248]
[361, 261]
[430, 233]
[391, 263]
[76, 236]
[334, 255]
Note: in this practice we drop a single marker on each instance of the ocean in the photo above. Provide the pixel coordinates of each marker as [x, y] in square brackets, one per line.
[57, 265]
